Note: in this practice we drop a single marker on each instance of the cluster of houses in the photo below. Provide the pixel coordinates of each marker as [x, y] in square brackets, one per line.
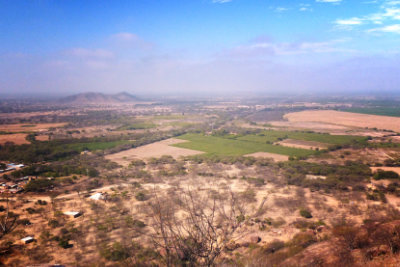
[12, 167]
[16, 186]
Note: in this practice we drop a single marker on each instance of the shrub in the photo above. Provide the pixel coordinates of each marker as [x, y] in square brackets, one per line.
[381, 174]
[31, 210]
[53, 223]
[93, 172]
[305, 213]
[116, 252]
[42, 202]
[138, 224]
[24, 222]
[39, 185]
[273, 246]
[240, 218]
[64, 242]
[303, 240]
[141, 196]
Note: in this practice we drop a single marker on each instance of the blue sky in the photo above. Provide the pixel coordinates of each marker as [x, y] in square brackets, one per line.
[148, 47]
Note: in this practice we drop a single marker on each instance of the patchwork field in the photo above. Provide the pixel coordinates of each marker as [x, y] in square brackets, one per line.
[157, 149]
[29, 127]
[345, 118]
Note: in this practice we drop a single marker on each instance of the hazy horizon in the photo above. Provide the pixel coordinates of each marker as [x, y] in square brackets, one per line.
[214, 47]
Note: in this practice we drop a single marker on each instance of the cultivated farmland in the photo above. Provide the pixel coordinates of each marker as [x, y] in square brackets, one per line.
[213, 145]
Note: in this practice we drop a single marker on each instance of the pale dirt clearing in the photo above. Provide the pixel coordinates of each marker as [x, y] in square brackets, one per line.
[17, 139]
[157, 149]
[345, 118]
[275, 157]
[42, 138]
[28, 127]
[393, 169]
[302, 144]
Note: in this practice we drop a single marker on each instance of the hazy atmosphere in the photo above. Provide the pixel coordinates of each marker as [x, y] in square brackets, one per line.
[199, 46]
[201, 133]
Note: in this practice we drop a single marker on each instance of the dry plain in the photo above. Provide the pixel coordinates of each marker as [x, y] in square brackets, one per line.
[348, 119]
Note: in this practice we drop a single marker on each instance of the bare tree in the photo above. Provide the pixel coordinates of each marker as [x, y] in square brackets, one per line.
[8, 219]
[194, 227]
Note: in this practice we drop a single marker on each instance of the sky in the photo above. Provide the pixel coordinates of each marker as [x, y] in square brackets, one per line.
[146, 47]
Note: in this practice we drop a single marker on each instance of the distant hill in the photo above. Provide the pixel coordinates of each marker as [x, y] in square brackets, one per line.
[99, 98]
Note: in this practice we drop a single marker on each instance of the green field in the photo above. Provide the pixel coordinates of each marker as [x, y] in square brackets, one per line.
[92, 146]
[213, 145]
[274, 136]
[237, 145]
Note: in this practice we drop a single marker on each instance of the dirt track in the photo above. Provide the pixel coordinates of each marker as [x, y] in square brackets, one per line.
[275, 157]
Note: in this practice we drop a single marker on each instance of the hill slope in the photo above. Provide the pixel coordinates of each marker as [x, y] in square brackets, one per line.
[99, 98]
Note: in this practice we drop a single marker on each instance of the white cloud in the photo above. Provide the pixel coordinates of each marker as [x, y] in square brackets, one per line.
[292, 48]
[126, 36]
[395, 28]
[305, 7]
[349, 22]
[221, 1]
[329, 1]
[392, 3]
[90, 53]
[281, 9]
[131, 39]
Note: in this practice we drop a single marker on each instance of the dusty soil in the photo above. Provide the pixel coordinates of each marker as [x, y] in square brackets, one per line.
[18, 138]
[345, 119]
[302, 144]
[27, 127]
[157, 149]
[275, 157]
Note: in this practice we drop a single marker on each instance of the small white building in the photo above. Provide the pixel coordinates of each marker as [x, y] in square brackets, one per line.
[98, 196]
[73, 214]
[27, 240]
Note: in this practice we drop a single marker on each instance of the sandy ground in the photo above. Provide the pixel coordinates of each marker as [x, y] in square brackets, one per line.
[275, 157]
[345, 119]
[394, 169]
[31, 128]
[17, 139]
[302, 144]
[157, 149]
